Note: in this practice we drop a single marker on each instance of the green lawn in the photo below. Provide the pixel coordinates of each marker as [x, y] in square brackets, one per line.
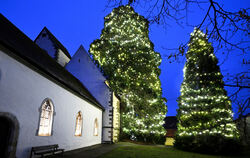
[129, 150]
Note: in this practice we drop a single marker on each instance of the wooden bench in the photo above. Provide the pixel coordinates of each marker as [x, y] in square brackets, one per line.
[48, 150]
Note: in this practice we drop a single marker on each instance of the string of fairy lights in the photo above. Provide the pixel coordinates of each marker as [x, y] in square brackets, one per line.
[204, 107]
[127, 57]
[154, 127]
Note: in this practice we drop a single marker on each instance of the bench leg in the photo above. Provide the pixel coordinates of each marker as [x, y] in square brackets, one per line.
[31, 153]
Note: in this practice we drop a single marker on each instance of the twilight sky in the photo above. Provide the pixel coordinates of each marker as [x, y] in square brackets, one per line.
[78, 22]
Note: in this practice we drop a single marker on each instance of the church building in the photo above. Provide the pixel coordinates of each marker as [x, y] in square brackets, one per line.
[48, 97]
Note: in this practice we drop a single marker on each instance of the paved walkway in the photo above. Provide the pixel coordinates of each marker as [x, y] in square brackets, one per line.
[90, 152]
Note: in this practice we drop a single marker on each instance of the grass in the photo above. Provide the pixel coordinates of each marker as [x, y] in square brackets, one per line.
[130, 150]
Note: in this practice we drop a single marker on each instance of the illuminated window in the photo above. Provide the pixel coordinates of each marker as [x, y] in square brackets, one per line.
[96, 128]
[78, 131]
[46, 118]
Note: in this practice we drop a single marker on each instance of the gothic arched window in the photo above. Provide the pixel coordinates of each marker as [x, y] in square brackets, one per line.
[96, 128]
[78, 130]
[46, 118]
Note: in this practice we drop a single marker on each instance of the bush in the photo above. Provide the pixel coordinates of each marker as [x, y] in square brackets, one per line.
[151, 138]
[146, 138]
[216, 144]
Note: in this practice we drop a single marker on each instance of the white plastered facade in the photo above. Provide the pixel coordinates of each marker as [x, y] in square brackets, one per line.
[22, 91]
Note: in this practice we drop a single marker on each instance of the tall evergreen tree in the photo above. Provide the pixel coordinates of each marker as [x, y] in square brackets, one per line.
[205, 112]
[127, 58]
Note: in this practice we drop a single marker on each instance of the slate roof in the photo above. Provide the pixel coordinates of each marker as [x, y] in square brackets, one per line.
[57, 43]
[22, 46]
[170, 122]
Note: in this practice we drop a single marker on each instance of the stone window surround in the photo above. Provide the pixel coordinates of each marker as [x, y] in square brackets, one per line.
[53, 115]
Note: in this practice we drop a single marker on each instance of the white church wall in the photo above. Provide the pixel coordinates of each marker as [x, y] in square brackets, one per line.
[22, 93]
[83, 68]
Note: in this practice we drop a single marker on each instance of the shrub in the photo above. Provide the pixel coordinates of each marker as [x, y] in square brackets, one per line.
[208, 144]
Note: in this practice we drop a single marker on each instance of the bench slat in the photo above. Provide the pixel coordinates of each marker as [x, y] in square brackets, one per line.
[46, 150]
[45, 147]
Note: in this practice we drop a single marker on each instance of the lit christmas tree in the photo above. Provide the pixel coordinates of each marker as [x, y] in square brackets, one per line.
[128, 60]
[205, 115]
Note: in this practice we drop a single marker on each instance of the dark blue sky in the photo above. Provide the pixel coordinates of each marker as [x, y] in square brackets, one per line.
[80, 22]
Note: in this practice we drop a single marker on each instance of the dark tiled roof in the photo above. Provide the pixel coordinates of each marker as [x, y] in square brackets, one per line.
[22, 46]
[57, 43]
[170, 122]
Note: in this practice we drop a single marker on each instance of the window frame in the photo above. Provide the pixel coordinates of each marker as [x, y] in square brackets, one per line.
[52, 115]
[81, 124]
[96, 127]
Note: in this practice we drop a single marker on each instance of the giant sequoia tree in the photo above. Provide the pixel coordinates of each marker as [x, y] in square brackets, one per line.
[204, 114]
[127, 58]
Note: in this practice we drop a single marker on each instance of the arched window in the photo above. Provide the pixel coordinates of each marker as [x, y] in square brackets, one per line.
[78, 131]
[46, 118]
[96, 128]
